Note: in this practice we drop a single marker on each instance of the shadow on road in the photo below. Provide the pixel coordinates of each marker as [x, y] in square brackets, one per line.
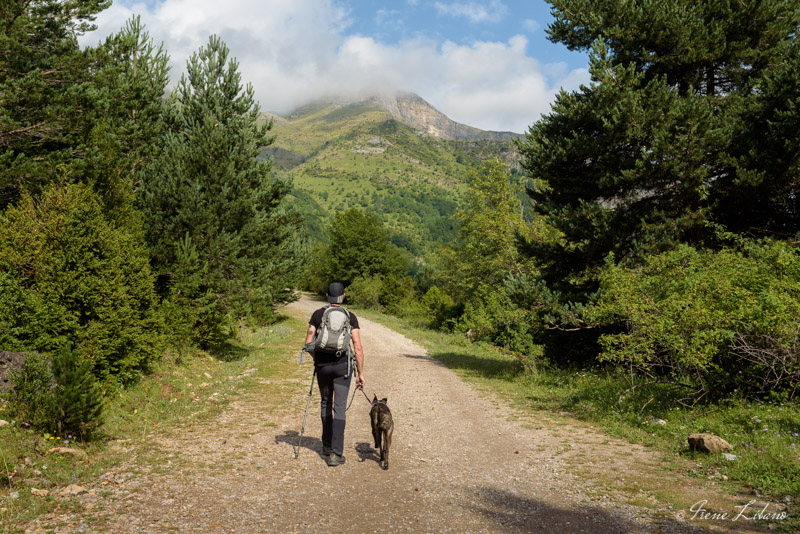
[291, 438]
[366, 452]
[478, 366]
[424, 358]
[513, 513]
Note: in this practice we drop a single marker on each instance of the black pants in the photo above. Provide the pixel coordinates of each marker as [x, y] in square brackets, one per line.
[333, 388]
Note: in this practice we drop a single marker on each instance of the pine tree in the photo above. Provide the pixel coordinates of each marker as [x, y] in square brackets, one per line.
[78, 400]
[44, 86]
[129, 75]
[208, 188]
[688, 121]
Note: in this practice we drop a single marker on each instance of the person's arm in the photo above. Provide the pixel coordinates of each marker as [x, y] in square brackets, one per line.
[310, 334]
[356, 336]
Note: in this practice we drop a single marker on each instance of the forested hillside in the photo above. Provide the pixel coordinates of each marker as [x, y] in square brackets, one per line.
[409, 168]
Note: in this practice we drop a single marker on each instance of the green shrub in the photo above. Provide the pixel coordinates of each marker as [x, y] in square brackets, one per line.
[77, 398]
[31, 402]
[365, 291]
[73, 276]
[399, 296]
[440, 307]
[718, 321]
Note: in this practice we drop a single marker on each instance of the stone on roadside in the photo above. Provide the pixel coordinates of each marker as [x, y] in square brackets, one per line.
[728, 456]
[73, 489]
[655, 421]
[69, 451]
[40, 492]
[3, 422]
[705, 442]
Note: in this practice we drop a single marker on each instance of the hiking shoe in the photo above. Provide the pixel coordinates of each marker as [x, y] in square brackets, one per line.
[336, 459]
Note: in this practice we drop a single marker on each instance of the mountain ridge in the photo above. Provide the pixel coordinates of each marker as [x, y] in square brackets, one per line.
[410, 109]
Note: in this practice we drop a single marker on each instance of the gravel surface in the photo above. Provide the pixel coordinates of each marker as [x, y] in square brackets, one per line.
[458, 463]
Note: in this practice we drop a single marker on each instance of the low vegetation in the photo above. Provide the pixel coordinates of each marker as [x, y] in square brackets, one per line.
[179, 391]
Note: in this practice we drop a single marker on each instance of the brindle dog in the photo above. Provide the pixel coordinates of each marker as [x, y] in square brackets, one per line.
[382, 426]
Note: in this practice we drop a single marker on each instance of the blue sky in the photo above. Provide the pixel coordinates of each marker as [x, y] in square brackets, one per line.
[485, 63]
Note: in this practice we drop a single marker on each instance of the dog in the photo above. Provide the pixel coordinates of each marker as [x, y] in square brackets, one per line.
[382, 427]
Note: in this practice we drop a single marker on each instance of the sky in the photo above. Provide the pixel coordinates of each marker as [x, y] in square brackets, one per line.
[484, 63]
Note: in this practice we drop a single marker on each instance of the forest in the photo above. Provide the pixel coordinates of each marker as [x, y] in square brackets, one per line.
[650, 237]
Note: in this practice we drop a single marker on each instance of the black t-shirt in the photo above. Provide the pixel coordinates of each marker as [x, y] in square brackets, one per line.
[316, 322]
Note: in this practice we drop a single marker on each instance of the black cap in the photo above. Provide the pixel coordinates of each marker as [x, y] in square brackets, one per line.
[335, 293]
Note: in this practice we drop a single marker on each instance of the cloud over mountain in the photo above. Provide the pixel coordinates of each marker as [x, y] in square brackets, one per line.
[295, 51]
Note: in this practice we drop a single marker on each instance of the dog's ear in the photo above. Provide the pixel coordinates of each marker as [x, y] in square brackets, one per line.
[374, 399]
[383, 400]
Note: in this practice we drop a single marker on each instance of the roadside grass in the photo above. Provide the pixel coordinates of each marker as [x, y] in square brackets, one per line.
[181, 391]
[765, 435]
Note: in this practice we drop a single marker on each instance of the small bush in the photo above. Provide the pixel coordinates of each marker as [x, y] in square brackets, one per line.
[440, 307]
[78, 400]
[365, 291]
[31, 401]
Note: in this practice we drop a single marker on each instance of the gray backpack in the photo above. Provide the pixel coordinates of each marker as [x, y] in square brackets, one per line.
[334, 331]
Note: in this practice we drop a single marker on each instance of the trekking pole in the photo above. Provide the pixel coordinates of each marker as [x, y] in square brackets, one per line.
[308, 402]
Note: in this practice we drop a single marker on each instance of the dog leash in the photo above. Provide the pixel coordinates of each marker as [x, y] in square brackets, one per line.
[354, 396]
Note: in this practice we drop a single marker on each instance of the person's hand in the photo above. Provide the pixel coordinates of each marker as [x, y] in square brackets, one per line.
[360, 382]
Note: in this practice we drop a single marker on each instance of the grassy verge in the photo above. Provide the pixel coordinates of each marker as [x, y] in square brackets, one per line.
[180, 391]
[765, 435]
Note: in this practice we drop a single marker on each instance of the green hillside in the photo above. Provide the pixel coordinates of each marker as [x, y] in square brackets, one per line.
[359, 155]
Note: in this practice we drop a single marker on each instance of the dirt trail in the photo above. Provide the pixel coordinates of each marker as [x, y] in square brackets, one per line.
[458, 464]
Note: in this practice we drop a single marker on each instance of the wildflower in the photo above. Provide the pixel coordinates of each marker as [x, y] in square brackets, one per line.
[795, 434]
[66, 442]
[758, 420]
[794, 445]
[766, 428]
[735, 390]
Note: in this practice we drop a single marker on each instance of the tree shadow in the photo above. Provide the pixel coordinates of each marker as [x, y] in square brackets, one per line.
[477, 366]
[514, 513]
[230, 351]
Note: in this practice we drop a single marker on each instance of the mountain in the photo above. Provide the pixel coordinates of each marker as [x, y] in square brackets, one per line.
[394, 155]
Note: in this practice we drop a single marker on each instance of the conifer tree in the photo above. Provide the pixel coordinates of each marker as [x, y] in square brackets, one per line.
[209, 196]
[688, 121]
[129, 75]
[77, 398]
[44, 85]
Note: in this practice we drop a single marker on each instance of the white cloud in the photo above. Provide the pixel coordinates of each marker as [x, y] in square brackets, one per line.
[296, 51]
[530, 25]
[474, 11]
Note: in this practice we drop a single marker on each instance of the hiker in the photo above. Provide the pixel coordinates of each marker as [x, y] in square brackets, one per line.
[334, 371]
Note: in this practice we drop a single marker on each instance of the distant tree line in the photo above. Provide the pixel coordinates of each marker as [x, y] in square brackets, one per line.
[131, 221]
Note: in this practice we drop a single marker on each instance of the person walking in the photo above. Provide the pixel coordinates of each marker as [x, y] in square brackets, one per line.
[334, 373]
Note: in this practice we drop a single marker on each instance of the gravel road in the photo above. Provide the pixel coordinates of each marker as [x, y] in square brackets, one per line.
[459, 463]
